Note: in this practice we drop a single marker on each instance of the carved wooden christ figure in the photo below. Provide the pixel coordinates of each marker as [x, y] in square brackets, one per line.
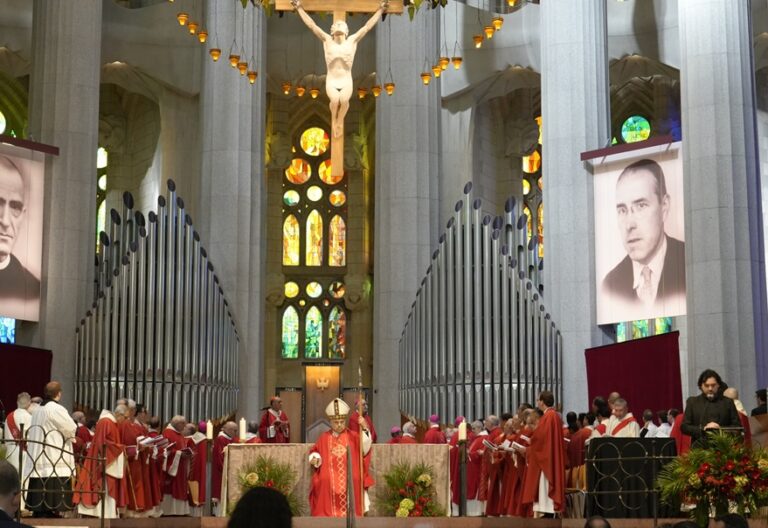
[340, 49]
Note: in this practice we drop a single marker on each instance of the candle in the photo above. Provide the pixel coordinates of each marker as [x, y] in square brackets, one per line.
[209, 430]
[463, 431]
[242, 429]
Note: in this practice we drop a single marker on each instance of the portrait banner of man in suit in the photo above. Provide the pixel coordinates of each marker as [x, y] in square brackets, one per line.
[639, 235]
[21, 231]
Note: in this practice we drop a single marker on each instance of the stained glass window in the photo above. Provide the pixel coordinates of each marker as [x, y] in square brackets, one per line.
[314, 239]
[526, 187]
[313, 341]
[102, 161]
[538, 122]
[291, 289]
[337, 289]
[635, 128]
[540, 183]
[532, 163]
[337, 198]
[325, 173]
[101, 220]
[290, 333]
[337, 250]
[540, 228]
[314, 289]
[337, 333]
[314, 141]
[102, 158]
[314, 193]
[291, 238]
[298, 172]
[663, 325]
[529, 223]
[291, 198]
[3, 123]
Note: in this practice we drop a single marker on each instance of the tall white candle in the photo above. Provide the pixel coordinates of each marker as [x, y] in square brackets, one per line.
[463, 431]
[209, 430]
[242, 429]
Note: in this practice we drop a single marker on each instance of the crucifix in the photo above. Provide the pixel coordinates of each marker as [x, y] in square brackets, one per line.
[339, 55]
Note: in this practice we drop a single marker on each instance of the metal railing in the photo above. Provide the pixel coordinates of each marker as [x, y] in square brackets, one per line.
[160, 330]
[478, 339]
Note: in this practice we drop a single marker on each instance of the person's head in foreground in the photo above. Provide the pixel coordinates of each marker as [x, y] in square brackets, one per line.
[10, 488]
[261, 507]
[596, 521]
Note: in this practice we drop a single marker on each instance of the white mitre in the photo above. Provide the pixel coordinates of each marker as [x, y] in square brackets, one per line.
[337, 409]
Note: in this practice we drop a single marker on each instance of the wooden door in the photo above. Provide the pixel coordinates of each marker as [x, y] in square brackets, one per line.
[321, 385]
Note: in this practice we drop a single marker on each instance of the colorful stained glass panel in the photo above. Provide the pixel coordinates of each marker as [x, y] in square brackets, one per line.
[298, 172]
[540, 228]
[526, 187]
[291, 240]
[291, 198]
[314, 141]
[337, 333]
[313, 344]
[532, 163]
[538, 122]
[291, 289]
[290, 333]
[337, 252]
[337, 198]
[337, 289]
[325, 173]
[314, 290]
[635, 128]
[314, 239]
[529, 223]
[314, 193]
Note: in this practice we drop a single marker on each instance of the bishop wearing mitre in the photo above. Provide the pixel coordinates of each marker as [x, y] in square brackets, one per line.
[328, 494]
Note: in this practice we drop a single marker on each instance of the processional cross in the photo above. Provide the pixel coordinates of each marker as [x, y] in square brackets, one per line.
[339, 55]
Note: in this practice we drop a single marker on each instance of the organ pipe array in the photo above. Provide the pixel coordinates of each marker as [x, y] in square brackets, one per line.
[159, 330]
[478, 339]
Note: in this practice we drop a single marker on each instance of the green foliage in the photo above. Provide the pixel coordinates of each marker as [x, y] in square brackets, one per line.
[724, 473]
[267, 472]
[409, 492]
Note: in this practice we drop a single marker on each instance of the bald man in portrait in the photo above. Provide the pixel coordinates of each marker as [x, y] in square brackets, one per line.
[17, 284]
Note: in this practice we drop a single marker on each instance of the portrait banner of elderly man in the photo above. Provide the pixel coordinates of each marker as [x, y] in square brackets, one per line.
[639, 234]
[21, 231]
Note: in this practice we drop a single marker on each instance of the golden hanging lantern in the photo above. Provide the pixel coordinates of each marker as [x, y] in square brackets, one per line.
[426, 77]
[456, 62]
[300, 91]
[314, 92]
[202, 36]
[215, 54]
[376, 89]
[362, 92]
[252, 76]
[489, 31]
[478, 39]
[437, 70]
[389, 88]
[242, 67]
[233, 60]
[192, 26]
[444, 62]
[286, 86]
[182, 17]
[497, 22]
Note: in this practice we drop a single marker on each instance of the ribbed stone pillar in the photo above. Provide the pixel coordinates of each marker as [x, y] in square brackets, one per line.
[407, 163]
[575, 113]
[232, 187]
[64, 108]
[725, 273]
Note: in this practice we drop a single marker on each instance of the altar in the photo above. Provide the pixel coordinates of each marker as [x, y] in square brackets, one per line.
[384, 457]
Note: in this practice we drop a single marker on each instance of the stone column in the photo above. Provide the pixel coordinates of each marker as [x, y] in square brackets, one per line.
[233, 186]
[64, 108]
[575, 114]
[406, 213]
[725, 273]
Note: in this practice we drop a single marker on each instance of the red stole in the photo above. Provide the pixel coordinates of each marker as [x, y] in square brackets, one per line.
[601, 428]
[682, 441]
[328, 494]
[546, 455]
[11, 422]
[622, 424]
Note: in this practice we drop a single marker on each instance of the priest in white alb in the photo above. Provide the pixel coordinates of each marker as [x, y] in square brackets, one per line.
[622, 424]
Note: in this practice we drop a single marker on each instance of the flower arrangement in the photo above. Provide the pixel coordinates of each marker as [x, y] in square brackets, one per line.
[266, 472]
[724, 475]
[409, 492]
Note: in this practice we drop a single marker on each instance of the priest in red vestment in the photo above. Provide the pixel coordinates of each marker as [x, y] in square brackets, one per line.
[106, 440]
[576, 451]
[682, 441]
[477, 480]
[252, 436]
[225, 437]
[409, 434]
[82, 439]
[493, 467]
[176, 469]
[328, 493]
[130, 432]
[733, 394]
[434, 435]
[197, 443]
[396, 435]
[153, 458]
[353, 424]
[544, 485]
[274, 427]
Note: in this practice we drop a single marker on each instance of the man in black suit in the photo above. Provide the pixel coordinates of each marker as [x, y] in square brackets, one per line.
[654, 268]
[760, 395]
[17, 284]
[710, 410]
[10, 495]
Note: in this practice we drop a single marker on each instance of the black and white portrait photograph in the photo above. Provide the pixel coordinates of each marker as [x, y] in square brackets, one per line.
[21, 232]
[639, 235]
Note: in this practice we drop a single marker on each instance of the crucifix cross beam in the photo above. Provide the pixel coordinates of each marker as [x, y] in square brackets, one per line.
[340, 50]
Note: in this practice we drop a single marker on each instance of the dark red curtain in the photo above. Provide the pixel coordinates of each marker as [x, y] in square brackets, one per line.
[24, 369]
[646, 372]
